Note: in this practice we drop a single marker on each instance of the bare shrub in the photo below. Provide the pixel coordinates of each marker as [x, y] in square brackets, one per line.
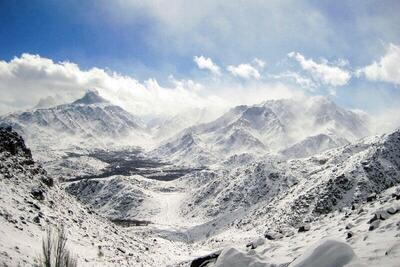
[55, 253]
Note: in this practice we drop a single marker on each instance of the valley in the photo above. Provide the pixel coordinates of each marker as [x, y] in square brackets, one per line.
[129, 162]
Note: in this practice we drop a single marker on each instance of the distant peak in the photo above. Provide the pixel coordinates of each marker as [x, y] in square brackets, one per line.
[47, 102]
[91, 97]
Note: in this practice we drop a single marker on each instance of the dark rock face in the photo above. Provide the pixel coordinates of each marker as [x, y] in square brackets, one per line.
[205, 260]
[349, 234]
[13, 143]
[37, 193]
[374, 225]
[16, 161]
[371, 197]
[304, 228]
[270, 236]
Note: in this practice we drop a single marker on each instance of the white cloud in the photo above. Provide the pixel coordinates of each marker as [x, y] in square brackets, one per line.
[304, 82]
[259, 62]
[27, 79]
[387, 69]
[244, 71]
[207, 64]
[323, 72]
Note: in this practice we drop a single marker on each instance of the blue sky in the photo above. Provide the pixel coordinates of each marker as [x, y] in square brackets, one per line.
[156, 39]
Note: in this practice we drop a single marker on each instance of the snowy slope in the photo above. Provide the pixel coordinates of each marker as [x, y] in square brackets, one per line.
[313, 145]
[30, 204]
[289, 192]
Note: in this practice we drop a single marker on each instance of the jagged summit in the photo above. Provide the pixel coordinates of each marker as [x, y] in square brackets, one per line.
[91, 97]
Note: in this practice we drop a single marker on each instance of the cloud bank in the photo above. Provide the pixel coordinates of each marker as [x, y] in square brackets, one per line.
[386, 69]
[323, 72]
[27, 79]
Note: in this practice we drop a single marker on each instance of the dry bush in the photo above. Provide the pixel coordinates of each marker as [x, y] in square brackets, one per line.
[55, 253]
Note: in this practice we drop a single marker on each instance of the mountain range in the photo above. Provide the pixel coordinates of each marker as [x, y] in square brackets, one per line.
[293, 128]
[278, 183]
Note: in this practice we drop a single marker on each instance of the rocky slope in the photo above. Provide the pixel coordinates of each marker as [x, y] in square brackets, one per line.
[294, 191]
[31, 202]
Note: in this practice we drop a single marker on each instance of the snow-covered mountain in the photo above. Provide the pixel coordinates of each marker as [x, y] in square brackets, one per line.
[290, 173]
[86, 120]
[248, 200]
[313, 145]
[278, 125]
[164, 128]
[292, 192]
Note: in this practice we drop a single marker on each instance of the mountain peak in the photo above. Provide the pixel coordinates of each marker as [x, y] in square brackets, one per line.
[91, 97]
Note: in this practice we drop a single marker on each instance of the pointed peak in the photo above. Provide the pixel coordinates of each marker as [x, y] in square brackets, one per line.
[91, 97]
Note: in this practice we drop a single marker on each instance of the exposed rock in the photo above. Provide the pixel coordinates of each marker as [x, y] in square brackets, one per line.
[391, 210]
[374, 225]
[349, 234]
[349, 226]
[36, 219]
[47, 180]
[270, 235]
[304, 228]
[37, 193]
[255, 243]
[121, 249]
[205, 260]
[371, 197]
[13, 143]
[382, 215]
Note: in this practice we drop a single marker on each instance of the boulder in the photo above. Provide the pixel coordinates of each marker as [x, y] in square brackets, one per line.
[37, 193]
[371, 197]
[205, 260]
[374, 225]
[36, 219]
[391, 210]
[255, 243]
[270, 235]
[304, 228]
[349, 234]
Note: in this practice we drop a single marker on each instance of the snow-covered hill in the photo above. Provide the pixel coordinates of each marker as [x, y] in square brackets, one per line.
[91, 120]
[278, 125]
